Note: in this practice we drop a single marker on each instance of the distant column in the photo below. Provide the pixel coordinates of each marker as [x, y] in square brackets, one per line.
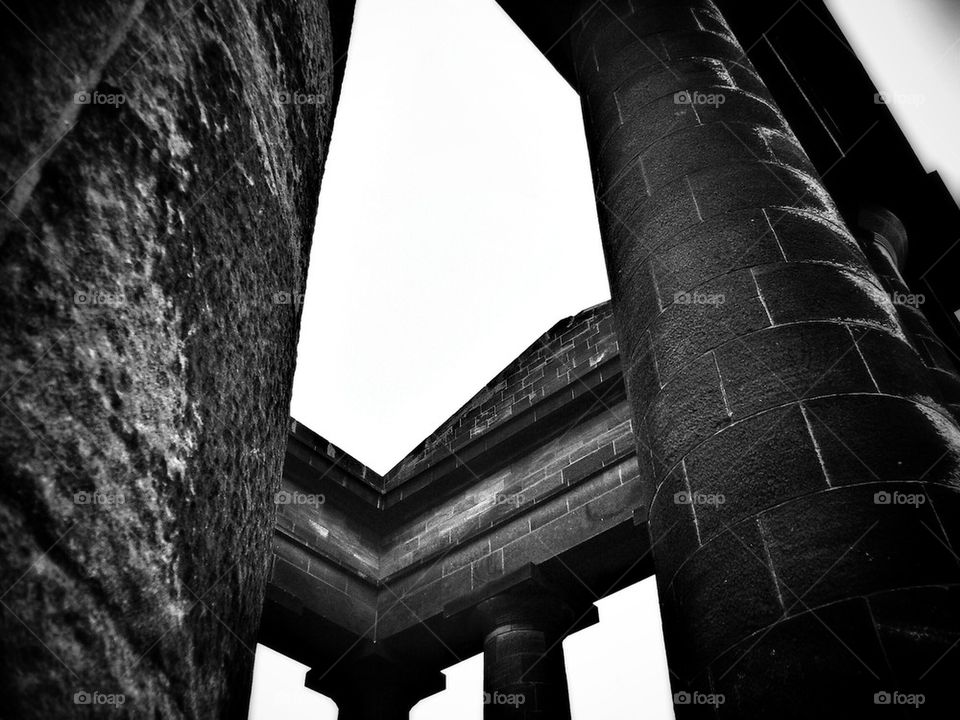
[885, 243]
[802, 472]
[524, 676]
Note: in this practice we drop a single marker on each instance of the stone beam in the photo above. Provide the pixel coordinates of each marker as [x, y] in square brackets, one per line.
[545, 482]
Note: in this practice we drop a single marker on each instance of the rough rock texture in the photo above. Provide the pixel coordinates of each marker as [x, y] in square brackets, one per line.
[154, 231]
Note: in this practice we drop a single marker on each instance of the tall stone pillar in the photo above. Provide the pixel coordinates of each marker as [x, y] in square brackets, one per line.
[160, 165]
[374, 687]
[802, 473]
[524, 676]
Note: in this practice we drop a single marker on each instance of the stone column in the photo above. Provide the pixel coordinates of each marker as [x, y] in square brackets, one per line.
[158, 192]
[375, 687]
[524, 676]
[885, 243]
[802, 474]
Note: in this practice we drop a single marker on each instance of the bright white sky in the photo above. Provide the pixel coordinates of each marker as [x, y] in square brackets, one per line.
[457, 223]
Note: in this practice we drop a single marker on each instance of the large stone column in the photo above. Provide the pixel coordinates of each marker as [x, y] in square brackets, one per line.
[802, 469]
[160, 165]
[524, 676]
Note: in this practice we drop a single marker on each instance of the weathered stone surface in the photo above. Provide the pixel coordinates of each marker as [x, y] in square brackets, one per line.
[785, 389]
[524, 677]
[155, 235]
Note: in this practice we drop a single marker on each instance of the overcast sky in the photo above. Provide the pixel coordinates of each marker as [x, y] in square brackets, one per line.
[457, 223]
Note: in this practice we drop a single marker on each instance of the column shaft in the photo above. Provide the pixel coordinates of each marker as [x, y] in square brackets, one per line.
[524, 676]
[802, 473]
